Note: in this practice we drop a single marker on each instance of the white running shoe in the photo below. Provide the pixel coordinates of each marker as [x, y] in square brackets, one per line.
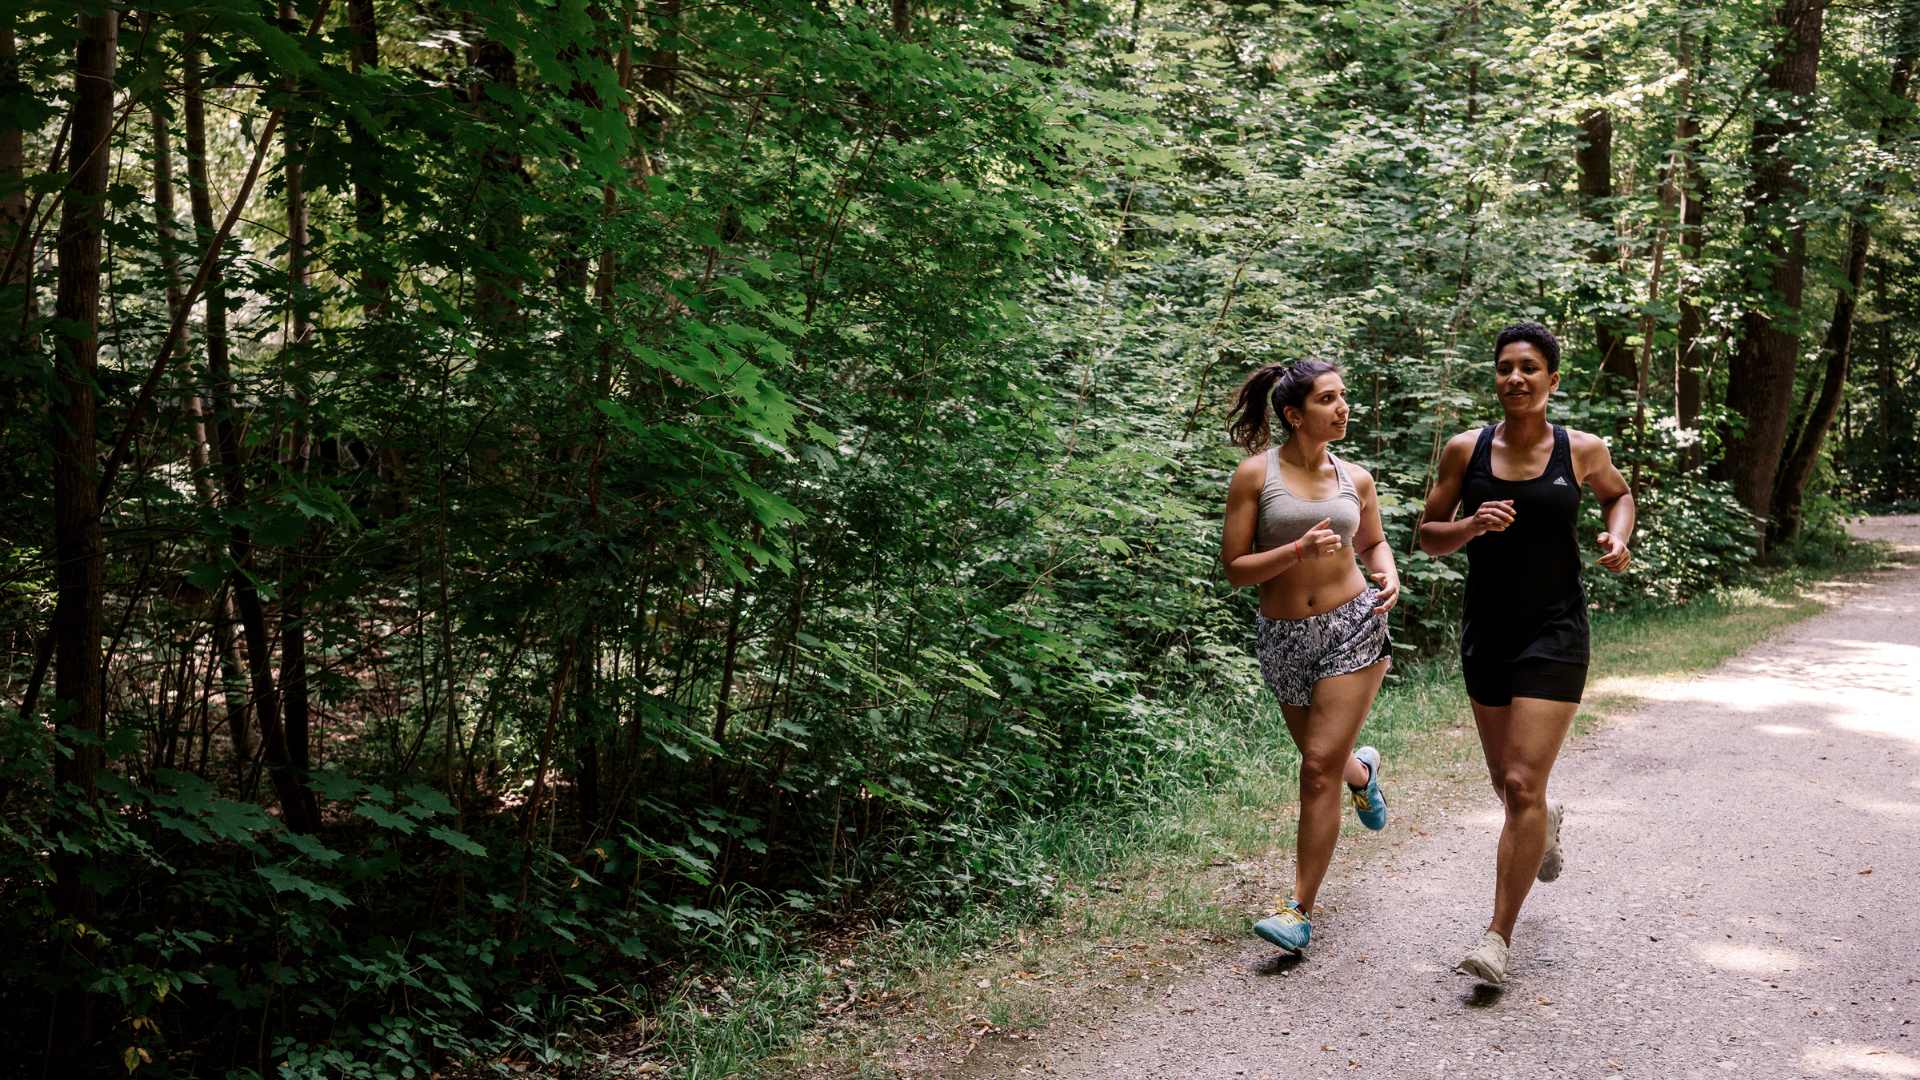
[1552, 861]
[1488, 961]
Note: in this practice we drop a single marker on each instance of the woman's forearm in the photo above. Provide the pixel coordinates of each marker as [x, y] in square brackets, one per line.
[1621, 516]
[1258, 567]
[1378, 559]
[1438, 538]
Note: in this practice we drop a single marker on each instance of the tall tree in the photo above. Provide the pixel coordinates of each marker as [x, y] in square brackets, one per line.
[1760, 376]
[1837, 349]
[79, 555]
[294, 697]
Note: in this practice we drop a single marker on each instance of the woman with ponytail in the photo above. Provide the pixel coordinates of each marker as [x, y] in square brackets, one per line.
[1297, 518]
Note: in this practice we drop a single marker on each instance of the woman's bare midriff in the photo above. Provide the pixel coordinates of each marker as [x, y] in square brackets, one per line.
[1313, 586]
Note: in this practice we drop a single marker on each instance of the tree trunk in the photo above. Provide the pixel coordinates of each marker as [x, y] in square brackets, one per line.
[1760, 377]
[369, 205]
[1595, 160]
[296, 803]
[501, 172]
[78, 556]
[1804, 454]
[294, 699]
[1689, 360]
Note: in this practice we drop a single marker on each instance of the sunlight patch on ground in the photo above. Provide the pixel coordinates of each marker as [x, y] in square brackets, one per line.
[1882, 807]
[1859, 1058]
[1747, 959]
[1869, 690]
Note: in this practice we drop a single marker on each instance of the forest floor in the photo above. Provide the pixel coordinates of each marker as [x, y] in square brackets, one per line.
[1740, 843]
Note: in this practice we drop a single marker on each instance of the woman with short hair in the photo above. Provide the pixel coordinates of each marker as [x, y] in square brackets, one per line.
[1510, 494]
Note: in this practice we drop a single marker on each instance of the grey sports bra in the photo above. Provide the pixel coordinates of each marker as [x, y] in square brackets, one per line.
[1285, 517]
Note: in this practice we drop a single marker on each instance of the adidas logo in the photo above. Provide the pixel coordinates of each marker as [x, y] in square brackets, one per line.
[1560, 481]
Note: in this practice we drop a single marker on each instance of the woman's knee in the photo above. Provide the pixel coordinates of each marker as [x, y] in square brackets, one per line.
[1321, 772]
[1522, 788]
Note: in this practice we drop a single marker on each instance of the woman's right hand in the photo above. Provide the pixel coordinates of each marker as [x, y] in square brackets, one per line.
[1319, 541]
[1494, 515]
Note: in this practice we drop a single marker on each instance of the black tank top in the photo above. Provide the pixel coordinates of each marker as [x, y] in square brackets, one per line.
[1524, 598]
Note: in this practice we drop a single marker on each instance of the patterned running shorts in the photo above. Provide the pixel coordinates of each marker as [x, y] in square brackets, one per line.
[1296, 653]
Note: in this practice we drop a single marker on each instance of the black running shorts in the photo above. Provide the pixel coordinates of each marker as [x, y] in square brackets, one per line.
[1498, 682]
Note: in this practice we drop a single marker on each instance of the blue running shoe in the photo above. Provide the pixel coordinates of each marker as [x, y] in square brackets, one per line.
[1289, 929]
[1368, 803]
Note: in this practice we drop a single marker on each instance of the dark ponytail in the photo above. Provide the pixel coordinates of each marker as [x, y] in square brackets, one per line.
[1271, 389]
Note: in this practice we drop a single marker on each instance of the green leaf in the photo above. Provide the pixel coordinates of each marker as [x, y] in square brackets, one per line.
[385, 818]
[425, 802]
[456, 840]
[286, 881]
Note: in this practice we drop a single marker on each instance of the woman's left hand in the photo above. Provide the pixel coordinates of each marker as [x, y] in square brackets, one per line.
[1389, 593]
[1613, 552]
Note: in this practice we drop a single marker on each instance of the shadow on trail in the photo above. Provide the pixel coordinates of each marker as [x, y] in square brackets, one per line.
[1482, 996]
[1278, 964]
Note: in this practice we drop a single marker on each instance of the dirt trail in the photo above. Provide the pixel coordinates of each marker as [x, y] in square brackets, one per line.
[1741, 899]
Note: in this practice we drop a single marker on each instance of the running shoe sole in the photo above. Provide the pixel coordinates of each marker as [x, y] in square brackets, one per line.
[1370, 803]
[1552, 862]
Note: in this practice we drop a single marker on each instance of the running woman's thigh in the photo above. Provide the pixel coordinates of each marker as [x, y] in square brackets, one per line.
[1535, 731]
[1341, 703]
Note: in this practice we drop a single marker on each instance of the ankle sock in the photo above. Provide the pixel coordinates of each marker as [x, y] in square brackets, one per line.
[1357, 788]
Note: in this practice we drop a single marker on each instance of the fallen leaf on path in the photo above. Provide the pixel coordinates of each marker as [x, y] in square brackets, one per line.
[1868, 870]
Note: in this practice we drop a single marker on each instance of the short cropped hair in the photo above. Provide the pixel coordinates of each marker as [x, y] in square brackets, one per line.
[1533, 334]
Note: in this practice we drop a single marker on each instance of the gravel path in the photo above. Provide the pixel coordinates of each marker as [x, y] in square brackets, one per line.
[1741, 899]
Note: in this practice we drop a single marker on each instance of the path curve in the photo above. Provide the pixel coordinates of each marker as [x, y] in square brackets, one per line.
[1741, 899]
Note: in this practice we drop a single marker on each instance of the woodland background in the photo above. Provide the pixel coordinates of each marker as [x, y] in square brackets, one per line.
[508, 503]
